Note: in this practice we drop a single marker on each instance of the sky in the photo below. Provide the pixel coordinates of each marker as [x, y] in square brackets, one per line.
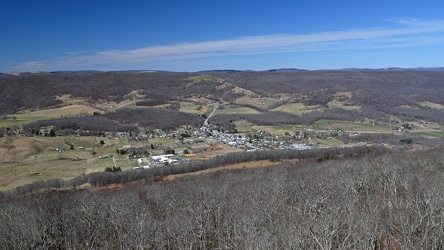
[195, 35]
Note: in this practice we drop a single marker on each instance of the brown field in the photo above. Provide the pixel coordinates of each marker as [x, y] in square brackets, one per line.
[252, 164]
[207, 150]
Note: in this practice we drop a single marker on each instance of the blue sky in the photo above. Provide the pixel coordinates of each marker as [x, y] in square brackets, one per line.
[195, 35]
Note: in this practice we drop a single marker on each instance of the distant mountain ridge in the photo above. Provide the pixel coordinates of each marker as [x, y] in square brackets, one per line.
[211, 71]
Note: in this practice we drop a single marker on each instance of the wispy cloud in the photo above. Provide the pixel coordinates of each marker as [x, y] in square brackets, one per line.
[405, 32]
[402, 20]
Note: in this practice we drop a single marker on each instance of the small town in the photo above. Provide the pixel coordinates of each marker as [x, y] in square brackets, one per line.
[207, 140]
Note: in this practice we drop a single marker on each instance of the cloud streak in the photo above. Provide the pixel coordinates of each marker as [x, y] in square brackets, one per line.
[404, 33]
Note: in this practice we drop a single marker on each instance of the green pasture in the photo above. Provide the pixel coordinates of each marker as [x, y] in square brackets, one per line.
[290, 127]
[350, 126]
[436, 134]
[205, 78]
[346, 107]
[188, 107]
[246, 92]
[237, 110]
[29, 117]
[243, 126]
[18, 174]
[298, 108]
[166, 142]
[256, 101]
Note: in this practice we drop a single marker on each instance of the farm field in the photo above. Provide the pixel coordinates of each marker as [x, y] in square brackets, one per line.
[434, 134]
[24, 160]
[351, 126]
[209, 150]
[260, 102]
[192, 108]
[237, 110]
[33, 116]
[297, 108]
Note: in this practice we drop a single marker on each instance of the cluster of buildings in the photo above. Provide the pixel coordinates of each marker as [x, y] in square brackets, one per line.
[254, 140]
[158, 160]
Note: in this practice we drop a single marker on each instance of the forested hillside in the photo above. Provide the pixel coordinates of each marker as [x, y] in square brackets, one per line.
[349, 95]
[388, 201]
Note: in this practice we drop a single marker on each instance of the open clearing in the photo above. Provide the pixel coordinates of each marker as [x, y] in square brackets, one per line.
[33, 116]
[351, 126]
[237, 110]
[256, 101]
[252, 164]
[208, 150]
[191, 108]
[434, 134]
[298, 108]
[17, 174]
[205, 78]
